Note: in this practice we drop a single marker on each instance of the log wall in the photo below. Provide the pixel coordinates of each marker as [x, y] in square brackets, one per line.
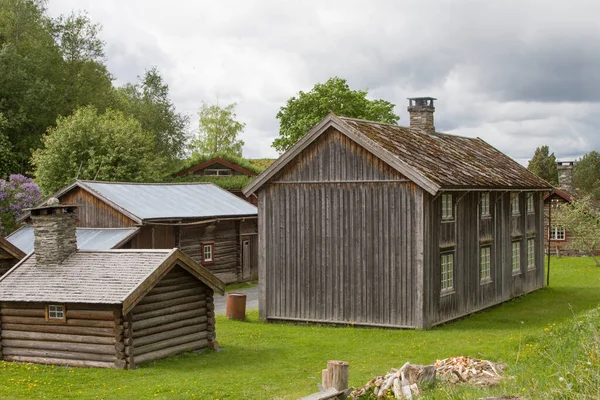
[177, 315]
[340, 239]
[91, 336]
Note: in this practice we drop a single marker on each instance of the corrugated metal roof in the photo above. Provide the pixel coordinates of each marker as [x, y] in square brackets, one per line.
[84, 277]
[190, 200]
[448, 160]
[87, 238]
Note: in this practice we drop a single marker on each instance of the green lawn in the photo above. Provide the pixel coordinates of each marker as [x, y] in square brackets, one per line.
[266, 361]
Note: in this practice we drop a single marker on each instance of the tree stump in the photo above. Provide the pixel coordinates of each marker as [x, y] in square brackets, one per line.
[337, 374]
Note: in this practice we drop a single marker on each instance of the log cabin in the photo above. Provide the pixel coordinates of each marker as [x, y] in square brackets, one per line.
[211, 225]
[9, 255]
[109, 309]
[367, 223]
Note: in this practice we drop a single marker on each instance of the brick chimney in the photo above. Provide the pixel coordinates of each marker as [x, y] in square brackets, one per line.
[421, 111]
[565, 175]
[54, 231]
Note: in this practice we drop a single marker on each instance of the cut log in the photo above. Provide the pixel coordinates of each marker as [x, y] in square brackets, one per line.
[57, 337]
[76, 330]
[171, 342]
[199, 305]
[190, 284]
[60, 361]
[14, 351]
[138, 332]
[325, 381]
[338, 373]
[157, 337]
[70, 322]
[168, 296]
[165, 319]
[92, 314]
[60, 346]
[120, 364]
[156, 355]
[138, 309]
[23, 312]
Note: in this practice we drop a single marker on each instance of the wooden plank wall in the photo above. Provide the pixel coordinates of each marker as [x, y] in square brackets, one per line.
[92, 335]
[94, 213]
[338, 243]
[7, 261]
[226, 238]
[177, 315]
[471, 233]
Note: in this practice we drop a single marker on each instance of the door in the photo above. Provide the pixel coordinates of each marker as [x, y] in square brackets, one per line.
[246, 260]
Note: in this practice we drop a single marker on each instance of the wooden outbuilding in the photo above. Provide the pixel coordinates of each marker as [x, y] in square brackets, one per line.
[367, 223]
[211, 225]
[111, 309]
[9, 255]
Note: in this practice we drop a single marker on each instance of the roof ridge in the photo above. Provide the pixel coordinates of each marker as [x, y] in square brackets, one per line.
[147, 183]
[121, 251]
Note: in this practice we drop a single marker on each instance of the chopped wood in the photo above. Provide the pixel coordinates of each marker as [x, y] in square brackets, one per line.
[469, 370]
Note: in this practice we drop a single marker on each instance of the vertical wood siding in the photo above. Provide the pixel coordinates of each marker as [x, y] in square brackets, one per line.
[93, 212]
[473, 232]
[172, 318]
[339, 243]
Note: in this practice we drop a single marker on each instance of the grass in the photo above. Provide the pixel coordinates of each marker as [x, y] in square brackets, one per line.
[282, 361]
[242, 285]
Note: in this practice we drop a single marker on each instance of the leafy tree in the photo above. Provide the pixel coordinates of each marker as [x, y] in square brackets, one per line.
[305, 110]
[586, 174]
[88, 145]
[148, 101]
[218, 131]
[17, 193]
[582, 219]
[543, 164]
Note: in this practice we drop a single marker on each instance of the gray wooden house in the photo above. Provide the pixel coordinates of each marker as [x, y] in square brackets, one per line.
[211, 225]
[373, 224]
[9, 255]
[110, 308]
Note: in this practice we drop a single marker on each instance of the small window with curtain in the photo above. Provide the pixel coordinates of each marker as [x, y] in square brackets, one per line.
[447, 208]
[447, 261]
[484, 204]
[208, 253]
[516, 258]
[514, 204]
[485, 264]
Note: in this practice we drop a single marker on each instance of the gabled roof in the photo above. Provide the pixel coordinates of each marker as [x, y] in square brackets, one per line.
[434, 162]
[87, 238]
[149, 201]
[212, 161]
[120, 277]
[11, 249]
[563, 194]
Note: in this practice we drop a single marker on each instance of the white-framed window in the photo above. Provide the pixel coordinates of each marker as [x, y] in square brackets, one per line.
[514, 204]
[555, 203]
[557, 233]
[530, 203]
[484, 204]
[55, 312]
[208, 253]
[485, 264]
[217, 172]
[447, 261]
[447, 207]
[530, 253]
[516, 257]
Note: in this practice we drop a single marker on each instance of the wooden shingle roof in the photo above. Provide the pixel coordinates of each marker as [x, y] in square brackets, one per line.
[98, 277]
[433, 161]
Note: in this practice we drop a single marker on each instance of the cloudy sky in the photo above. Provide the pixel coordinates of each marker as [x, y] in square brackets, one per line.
[518, 74]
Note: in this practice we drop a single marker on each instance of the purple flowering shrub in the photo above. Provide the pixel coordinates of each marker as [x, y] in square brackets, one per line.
[16, 193]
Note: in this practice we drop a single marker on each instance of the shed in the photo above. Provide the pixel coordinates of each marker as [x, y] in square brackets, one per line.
[373, 224]
[211, 225]
[112, 308]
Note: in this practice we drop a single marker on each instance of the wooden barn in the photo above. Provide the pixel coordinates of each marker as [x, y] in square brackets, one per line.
[374, 224]
[211, 225]
[9, 255]
[111, 308]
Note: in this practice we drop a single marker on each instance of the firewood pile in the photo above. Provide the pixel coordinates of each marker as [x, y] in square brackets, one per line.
[401, 383]
[469, 370]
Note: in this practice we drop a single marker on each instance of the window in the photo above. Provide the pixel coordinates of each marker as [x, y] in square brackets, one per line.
[55, 312]
[514, 204]
[208, 253]
[484, 204]
[530, 253]
[530, 203]
[447, 272]
[516, 258]
[557, 233]
[555, 203]
[447, 209]
[217, 172]
[485, 264]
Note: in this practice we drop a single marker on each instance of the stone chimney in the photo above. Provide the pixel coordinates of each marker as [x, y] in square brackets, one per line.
[421, 111]
[54, 231]
[565, 175]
